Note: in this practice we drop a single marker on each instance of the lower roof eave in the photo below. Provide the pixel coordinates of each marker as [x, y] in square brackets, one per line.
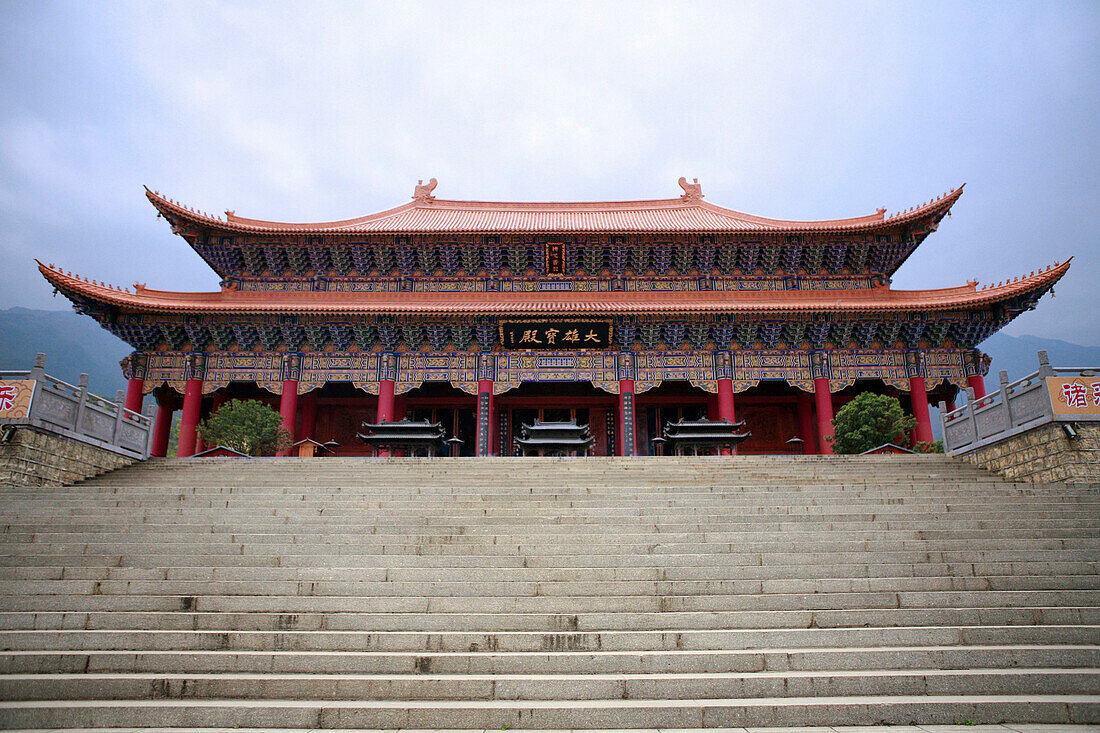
[237, 303]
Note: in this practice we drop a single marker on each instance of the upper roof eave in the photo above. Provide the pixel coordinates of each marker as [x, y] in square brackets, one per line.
[965, 297]
[427, 215]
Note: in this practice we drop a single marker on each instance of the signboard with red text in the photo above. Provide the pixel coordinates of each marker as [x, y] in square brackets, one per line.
[1075, 397]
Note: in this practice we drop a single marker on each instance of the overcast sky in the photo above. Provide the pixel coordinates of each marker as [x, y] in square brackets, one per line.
[321, 111]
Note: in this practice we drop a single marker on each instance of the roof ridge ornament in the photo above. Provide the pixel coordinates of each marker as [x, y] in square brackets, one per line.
[692, 191]
[424, 192]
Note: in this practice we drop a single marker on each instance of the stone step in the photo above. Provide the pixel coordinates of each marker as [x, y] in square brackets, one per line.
[555, 714]
[542, 622]
[238, 531]
[464, 687]
[474, 535]
[776, 546]
[786, 488]
[668, 572]
[525, 588]
[548, 593]
[555, 604]
[984, 728]
[204, 477]
[554, 519]
[552, 563]
[552, 662]
[549, 515]
[588, 533]
[603, 640]
[503, 477]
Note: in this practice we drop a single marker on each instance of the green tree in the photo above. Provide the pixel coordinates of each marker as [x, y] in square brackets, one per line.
[247, 426]
[868, 421]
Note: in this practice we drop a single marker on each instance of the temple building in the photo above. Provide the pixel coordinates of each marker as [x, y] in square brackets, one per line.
[619, 315]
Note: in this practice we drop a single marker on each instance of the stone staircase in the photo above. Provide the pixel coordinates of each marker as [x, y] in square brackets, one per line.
[548, 593]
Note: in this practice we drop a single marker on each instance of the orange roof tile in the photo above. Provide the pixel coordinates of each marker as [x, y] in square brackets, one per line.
[560, 303]
[425, 214]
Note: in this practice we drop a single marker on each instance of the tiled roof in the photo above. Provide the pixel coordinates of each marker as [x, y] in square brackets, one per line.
[425, 214]
[560, 303]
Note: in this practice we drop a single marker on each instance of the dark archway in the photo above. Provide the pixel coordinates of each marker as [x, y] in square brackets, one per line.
[555, 401]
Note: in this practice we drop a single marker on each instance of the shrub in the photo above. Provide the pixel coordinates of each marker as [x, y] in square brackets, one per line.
[247, 426]
[868, 421]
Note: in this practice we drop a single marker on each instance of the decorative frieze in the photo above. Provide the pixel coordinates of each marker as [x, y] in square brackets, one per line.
[174, 332]
[510, 369]
[499, 255]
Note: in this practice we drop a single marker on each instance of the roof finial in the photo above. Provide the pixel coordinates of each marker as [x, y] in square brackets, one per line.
[424, 193]
[692, 191]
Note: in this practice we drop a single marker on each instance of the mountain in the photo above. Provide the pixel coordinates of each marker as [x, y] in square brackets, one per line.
[71, 342]
[1018, 355]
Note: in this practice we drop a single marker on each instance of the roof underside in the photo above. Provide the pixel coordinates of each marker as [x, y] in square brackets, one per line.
[229, 301]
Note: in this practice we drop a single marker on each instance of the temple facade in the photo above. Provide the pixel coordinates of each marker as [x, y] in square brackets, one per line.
[620, 315]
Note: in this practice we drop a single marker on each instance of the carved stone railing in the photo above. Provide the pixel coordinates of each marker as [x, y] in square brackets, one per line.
[1023, 405]
[36, 400]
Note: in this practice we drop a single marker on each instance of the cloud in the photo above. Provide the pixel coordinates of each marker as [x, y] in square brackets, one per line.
[330, 110]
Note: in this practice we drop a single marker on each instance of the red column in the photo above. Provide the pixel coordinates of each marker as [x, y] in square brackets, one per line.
[725, 406]
[977, 383]
[309, 416]
[627, 432]
[806, 423]
[951, 406]
[725, 400]
[162, 428]
[192, 411]
[385, 407]
[288, 408]
[385, 400]
[824, 401]
[134, 395]
[485, 414]
[918, 395]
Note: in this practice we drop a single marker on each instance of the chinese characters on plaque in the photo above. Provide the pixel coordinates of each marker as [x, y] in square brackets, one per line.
[555, 334]
[1074, 395]
[15, 399]
[555, 255]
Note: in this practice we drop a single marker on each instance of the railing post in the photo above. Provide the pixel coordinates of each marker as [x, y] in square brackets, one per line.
[1044, 366]
[149, 413]
[38, 374]
[971, 416]
[1003, 376]
[38, 371]
[120, 416]
[82, 405]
